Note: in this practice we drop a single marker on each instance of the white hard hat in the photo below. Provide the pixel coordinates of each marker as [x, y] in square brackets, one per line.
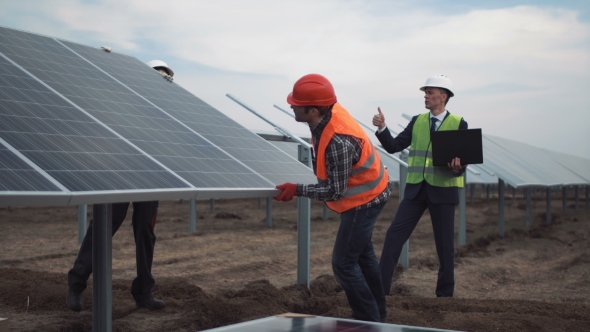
[439, 81]
[160, 63]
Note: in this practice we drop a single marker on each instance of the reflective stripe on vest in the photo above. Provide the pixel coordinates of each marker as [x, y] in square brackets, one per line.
[368, 177]
[420, 167]
[366, 165]
[362, 187]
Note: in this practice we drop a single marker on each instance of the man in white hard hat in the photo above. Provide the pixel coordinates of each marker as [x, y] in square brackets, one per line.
[144, 222]
[427, 186]
[161, 67]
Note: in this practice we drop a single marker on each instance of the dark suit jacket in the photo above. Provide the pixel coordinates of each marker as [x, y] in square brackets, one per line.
[437, 195]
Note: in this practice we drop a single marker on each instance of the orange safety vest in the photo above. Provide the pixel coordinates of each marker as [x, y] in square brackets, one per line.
[368, 177]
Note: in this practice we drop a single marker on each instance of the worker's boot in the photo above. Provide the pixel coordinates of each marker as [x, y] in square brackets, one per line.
[150, 303]
[74, 300]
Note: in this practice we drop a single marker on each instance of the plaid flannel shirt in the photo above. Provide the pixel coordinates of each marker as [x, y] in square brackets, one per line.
[342, 153]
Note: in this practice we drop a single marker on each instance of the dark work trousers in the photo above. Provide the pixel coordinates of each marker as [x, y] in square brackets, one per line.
[355, 264]
[144, 220]
[402, 226]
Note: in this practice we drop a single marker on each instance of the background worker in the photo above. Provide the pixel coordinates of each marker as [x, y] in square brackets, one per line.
[352, 181]
[162, 68]
[428, 186]
[144, 221]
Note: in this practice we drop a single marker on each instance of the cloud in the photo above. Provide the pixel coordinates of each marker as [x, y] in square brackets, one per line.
[512, 62]
[343, 38]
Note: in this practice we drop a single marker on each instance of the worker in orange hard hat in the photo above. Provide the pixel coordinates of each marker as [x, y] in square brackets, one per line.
[351, 181]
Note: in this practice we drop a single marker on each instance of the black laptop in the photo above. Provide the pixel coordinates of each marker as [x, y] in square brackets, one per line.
[448, 144]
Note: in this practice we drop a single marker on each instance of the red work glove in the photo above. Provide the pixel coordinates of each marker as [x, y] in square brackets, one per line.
[288, 191]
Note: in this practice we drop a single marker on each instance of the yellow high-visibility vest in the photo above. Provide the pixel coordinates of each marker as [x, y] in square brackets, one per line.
[420, 167]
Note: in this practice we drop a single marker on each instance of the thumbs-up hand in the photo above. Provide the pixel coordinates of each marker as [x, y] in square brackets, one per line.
[379, 119]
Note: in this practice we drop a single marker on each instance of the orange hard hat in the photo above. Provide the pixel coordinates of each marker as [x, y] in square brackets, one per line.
[312, 90]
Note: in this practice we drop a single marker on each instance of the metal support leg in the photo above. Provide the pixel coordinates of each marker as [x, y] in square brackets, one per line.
[548, 214]
[564, 200]
[269, 212]
[192, 225]
[462, 216]
[325, 214]
[82, 222]
[501, 207]
[404, 258]
[304, 226]
[102, 260]
[259, 203]
[212, 204]
[528, 222]
[303, 241]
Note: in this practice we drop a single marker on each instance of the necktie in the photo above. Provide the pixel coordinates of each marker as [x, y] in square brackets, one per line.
[433, 124]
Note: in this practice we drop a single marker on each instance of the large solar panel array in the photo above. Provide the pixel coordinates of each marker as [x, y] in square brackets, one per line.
[522, 165]
[196, 115]
[105, 123]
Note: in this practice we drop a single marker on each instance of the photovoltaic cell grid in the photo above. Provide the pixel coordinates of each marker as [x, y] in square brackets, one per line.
[197, 115]
[130, 116]
[67, 144]
[549, 170]
[16, 175]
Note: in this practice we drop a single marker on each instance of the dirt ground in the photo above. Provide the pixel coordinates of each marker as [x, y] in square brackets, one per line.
[235, 269]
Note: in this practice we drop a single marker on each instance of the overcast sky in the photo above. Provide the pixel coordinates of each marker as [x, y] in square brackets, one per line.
[520, 69]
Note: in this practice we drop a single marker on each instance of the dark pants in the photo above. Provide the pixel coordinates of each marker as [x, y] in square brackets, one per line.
[144, 220]
[402, 226]
[355, 264]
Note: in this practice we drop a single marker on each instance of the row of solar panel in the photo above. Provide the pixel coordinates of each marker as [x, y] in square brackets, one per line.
[77, 119]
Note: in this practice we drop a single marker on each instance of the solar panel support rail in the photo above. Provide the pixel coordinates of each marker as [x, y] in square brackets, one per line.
[501, 186]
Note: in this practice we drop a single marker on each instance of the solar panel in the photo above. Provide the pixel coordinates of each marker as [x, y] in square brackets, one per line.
[116, 126]
[17, 175]
[219, 129]
[70, 146]
[539, 162]
[513, 168]
[578, 165]
[134, 119]
[308, 323]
